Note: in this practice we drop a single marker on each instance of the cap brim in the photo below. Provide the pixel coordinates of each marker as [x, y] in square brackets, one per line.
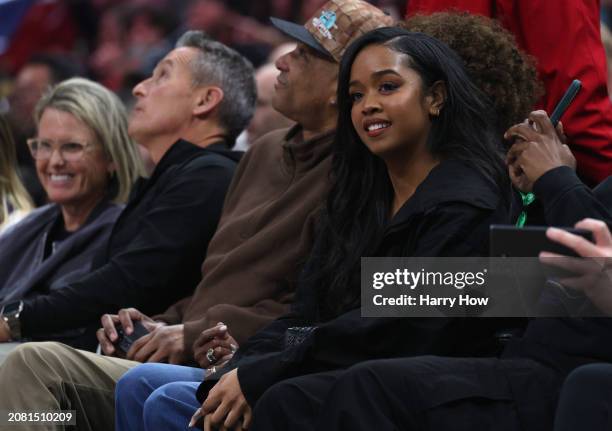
[299, 33]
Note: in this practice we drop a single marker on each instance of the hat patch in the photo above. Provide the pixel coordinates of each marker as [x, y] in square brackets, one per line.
[325, 23]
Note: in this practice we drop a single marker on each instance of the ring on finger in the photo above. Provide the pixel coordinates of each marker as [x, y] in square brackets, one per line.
[210, 356]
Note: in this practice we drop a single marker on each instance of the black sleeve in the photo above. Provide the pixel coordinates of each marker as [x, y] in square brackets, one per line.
[171, 239]
[456, 230]
[566, 200]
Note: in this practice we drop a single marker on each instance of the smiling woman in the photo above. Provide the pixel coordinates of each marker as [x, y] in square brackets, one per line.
[87, 164]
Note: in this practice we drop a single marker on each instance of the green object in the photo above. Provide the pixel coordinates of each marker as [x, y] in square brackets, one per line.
[528, 199]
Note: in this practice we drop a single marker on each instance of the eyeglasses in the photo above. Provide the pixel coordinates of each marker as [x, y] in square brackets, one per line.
[42, 149]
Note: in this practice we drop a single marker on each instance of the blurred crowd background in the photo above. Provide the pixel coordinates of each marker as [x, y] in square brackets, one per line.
[118, 42]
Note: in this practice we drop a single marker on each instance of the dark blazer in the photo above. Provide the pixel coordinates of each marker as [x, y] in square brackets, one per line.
[448, 215]
[155, 250]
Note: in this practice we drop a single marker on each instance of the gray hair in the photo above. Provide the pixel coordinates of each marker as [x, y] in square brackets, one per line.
[220, 65]
[102, 111]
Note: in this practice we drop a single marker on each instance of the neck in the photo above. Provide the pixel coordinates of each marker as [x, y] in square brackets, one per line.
[406, 174]
[202, 136]
[75, 215]
[319, 124]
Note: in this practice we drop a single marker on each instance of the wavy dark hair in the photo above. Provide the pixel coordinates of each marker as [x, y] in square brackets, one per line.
[359, 202]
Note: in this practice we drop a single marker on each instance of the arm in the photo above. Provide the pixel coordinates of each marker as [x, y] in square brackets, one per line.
[141, 275]
[567, 200]
[349, 338]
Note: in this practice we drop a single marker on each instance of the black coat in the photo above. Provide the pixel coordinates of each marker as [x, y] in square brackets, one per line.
[566, 343]
[448, 215]
[156, 247]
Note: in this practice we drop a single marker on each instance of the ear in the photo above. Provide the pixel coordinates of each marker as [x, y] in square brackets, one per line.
[207, 99]
[436, 98]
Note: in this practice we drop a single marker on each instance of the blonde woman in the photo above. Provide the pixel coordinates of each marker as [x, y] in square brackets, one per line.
[87, 165]
[14, 200]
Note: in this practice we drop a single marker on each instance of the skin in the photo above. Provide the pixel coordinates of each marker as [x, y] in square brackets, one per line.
[218, 339]
[593, 271]
[295, 97]
[266, 118]
[168, 107]
[87, 179]
[384, 90]
[537, 149]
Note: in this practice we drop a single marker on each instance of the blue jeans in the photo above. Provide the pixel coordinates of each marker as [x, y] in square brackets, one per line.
[157, 397]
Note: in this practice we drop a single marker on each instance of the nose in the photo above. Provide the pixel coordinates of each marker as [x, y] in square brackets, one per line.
[56, 159]
[370, 105]
[281, 64]
[140, 88]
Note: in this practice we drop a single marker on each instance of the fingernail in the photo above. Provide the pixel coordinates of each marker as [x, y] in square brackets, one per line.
[223, 328]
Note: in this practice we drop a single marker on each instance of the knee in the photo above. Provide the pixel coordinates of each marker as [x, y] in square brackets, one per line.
[587, 378]
[134, 384]
[176, 399]
[33, 356]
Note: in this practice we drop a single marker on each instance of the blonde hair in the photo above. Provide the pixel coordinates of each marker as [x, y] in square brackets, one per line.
[13, 194]
[102, 111]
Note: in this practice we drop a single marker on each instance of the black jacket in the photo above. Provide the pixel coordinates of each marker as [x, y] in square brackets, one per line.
[566, 343]
[156, 247]
[448, 215]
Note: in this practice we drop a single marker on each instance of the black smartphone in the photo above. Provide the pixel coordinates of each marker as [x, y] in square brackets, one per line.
[528, 241]
[124, 342]
[565, 101]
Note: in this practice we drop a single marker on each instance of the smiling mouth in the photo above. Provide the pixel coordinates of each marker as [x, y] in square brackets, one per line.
[376, 128]
[60, 178]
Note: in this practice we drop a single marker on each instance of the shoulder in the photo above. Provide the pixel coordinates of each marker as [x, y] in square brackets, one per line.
[32, 224]
[457, 184]
[269, 143]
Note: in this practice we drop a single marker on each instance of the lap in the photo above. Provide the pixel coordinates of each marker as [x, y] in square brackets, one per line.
[156, 375]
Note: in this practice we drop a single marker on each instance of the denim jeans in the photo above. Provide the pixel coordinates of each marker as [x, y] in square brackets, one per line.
[157, 397]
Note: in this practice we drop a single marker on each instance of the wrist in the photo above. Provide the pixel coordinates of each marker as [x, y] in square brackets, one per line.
[10, 316]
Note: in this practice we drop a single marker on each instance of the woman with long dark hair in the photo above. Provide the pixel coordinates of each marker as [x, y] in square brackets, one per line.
[417, 172]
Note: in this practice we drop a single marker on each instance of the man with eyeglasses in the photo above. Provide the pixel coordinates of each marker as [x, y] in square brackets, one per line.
[187, 115]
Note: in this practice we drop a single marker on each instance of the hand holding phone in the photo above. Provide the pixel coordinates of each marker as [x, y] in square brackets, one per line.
[538, 146]
[125, 341]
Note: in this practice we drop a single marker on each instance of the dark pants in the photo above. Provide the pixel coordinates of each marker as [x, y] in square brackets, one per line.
[586, 400]
[422, 393]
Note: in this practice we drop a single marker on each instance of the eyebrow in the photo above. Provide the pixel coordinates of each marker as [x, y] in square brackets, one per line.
[165, 61]
[377, 74]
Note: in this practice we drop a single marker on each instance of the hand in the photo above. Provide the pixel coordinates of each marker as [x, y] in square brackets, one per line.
[107, 334]
[163, 344]
[218, 339]
[537, 149]
[5, 332]
[225, 407]
[594, 274]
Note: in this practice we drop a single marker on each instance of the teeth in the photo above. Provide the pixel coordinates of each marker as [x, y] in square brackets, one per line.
[377, 126]
[63, 177]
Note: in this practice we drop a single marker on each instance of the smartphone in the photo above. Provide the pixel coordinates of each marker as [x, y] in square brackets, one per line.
[565, 101]
[528, 241]
[124, 342]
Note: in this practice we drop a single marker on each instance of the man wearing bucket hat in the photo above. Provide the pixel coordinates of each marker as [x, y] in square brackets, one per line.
[248, 279]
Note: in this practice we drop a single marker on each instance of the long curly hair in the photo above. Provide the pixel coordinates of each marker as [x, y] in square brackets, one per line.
[491, 57]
